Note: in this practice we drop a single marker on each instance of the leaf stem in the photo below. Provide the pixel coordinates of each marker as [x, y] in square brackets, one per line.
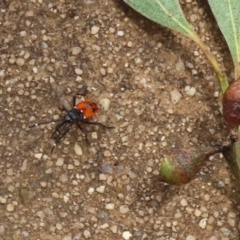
[222, 78]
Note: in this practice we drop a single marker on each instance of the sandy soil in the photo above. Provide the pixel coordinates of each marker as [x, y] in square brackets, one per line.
[134, 69]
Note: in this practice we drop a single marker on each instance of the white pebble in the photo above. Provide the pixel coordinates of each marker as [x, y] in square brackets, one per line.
[20, 62]
[203, 223]
[86, 234]
[197, 213]
[23, 33]
[59, 226]
[124, 209]
[94, 30]
[94, 135]
[105, 103]
[91, 190]
[78, 149]
[120, 33]
[126, 235]
[3, 200]
[65, 198]
[59, 162]
[110, 206]
[114, 228]
[216, 94]
[100, 189]
[190, 237]
[175, 96]
[102, 177]
[35, 70]
[104, 226]
[43, 184]
[191, 91]
[183, 202]
[76, 50]
[78, 71]
[10, 207]
[38, 155]
[70, 167]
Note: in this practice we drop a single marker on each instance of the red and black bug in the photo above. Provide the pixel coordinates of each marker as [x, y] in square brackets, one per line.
[81, 112]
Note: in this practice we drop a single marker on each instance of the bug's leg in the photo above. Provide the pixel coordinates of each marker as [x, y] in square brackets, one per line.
[83, 131]
[57, 128]
[96, 123]
[61, 135]
[41, 123]
[74, 100]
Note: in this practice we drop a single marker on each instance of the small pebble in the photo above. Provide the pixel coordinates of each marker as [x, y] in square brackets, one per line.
[180, 66]
[25, 234]
[86, 234]
[78, 149]
[2, 230]
[114, 228]
[10, 172]
[20, 62]
[78, 71]
[120, 33]
[76, 50]
[191, 91]
[104, 226]
[63, 214]
[70, 167]
[214, 238]
[126, 235]
[59, 226]
[100, 189]
[3, 200]
[107, 153]
[110, 206]
[175, 96]
[190, 237]
[124, 209]
[94, 135]
[59, 162]
[63, 178]
[43, 184]
[102, 177]
[76, 162]
[197, 213]
[203, 223]
[91, 190]
[38, 155]
[94, 30]
[183, 202]
[105, 103]
[10, 207]
[67, 238]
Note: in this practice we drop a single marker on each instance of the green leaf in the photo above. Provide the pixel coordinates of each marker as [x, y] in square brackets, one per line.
[165, 12]
[227, 14]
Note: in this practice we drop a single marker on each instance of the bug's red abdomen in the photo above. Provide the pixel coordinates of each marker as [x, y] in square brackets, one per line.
[89, 108]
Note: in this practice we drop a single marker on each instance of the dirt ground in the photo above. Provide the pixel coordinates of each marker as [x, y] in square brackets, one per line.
[154, 86]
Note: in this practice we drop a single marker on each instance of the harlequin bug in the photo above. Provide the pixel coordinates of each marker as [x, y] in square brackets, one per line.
[81, 112]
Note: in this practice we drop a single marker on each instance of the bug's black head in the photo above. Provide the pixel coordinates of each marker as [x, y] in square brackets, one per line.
[74, 115]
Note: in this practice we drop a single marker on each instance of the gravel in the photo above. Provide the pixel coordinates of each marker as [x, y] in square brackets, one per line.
[153, 86]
